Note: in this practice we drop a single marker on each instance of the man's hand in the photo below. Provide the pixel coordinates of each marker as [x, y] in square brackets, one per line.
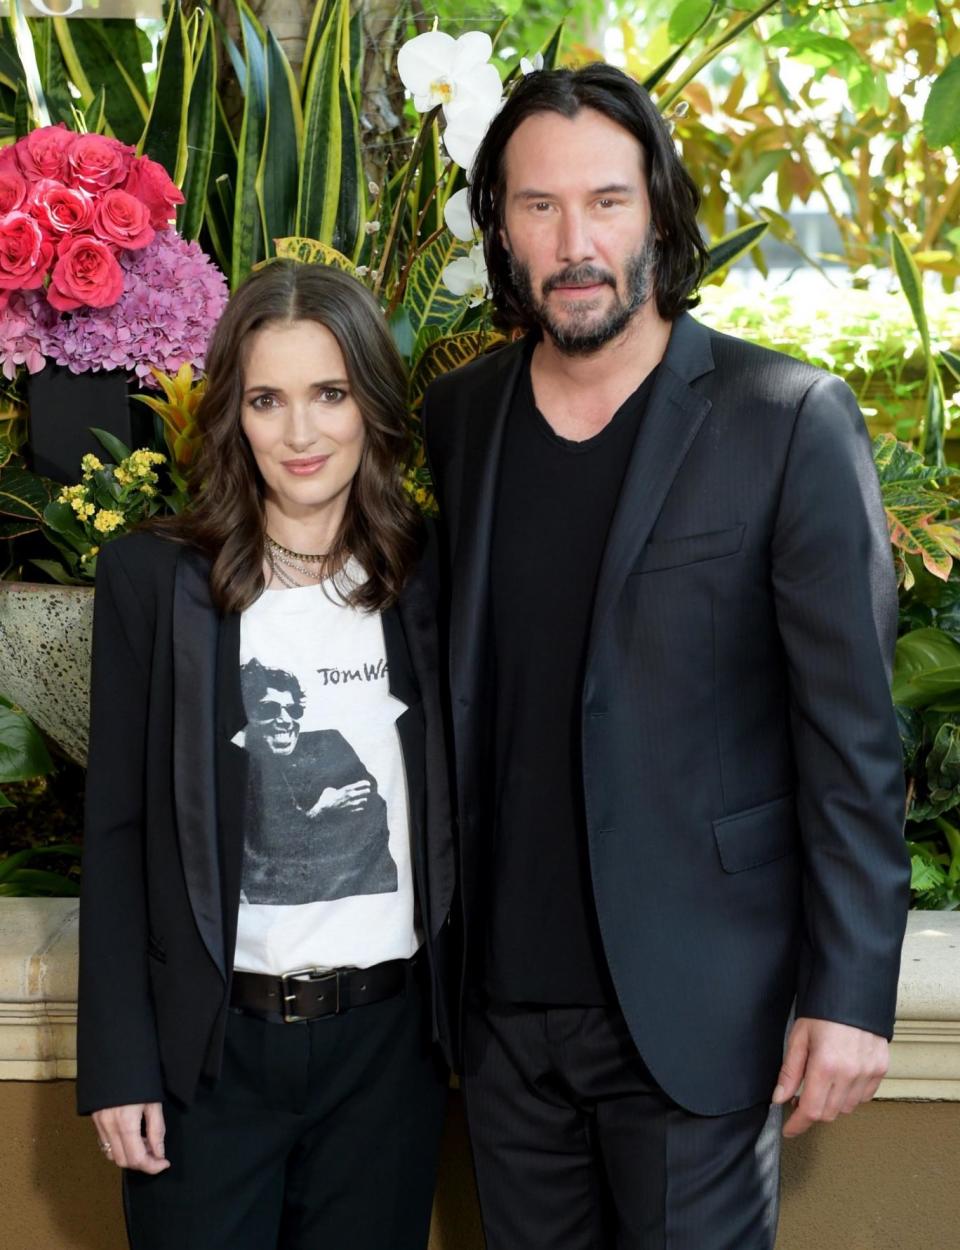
[120, 1128]
[349, 798]
[838, 1066]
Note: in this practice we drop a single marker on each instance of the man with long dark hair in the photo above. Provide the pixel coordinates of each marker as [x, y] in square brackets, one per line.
[672, 611]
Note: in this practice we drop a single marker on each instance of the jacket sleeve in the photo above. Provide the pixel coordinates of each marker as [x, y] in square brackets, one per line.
[836, 602]
[118, 1058]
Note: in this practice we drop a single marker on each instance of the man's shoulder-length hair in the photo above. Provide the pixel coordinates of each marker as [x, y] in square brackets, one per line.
[674, 196]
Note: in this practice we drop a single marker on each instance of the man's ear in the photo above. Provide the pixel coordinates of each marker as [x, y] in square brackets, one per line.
[504, 239]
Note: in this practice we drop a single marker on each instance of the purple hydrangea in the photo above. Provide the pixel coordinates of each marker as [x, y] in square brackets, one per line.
[172, 297]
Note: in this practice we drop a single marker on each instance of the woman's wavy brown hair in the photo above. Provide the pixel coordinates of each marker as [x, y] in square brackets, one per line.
[225, 518]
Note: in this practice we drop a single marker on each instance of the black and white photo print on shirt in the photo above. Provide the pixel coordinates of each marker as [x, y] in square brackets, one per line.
[316, 825]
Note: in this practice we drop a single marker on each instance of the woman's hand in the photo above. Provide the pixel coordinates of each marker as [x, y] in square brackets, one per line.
[134, 1135]
[349, 798]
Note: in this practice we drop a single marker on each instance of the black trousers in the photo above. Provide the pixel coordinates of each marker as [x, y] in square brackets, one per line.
[318, 1135]
[576, 1147]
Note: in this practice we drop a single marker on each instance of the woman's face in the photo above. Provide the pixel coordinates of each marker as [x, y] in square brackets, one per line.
[301, 421]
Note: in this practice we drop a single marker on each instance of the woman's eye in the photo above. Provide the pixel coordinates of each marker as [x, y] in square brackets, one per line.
[332, 394]
[261, 403]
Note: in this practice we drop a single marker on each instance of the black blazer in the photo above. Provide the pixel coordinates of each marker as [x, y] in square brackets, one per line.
[163, 847]
[741, 761]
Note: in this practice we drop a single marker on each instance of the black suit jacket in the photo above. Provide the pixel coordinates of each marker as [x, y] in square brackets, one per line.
[165, 800]
[741, 762]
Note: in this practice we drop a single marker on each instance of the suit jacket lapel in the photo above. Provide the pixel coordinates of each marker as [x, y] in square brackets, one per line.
[231, 772]
[412, 627]
[485, 417]
[673, 417]
[195, 647]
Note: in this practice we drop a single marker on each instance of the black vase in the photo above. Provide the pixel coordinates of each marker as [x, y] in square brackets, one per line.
[63, 406]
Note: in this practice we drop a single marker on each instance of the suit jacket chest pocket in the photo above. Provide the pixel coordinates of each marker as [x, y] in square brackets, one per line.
[672, 553]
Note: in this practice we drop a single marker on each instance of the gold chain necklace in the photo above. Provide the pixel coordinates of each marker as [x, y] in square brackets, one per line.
[306, 557]
[283, 561]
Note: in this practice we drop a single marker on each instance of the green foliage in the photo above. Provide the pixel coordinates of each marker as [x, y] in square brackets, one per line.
[869, 339]
[941, 117]
[110, 500]
[23, 752]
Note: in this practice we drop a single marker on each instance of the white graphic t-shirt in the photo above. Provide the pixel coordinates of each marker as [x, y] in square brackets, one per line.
[327, 873]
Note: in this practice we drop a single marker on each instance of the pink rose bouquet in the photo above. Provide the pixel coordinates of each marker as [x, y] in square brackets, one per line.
[92, 273]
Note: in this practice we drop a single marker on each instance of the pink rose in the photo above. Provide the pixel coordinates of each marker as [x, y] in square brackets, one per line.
[64, 210]
[86, 272]
[153, 186]
[45, 153]
[25, 253]
[13, 189]
[124, 220]
[98, 162]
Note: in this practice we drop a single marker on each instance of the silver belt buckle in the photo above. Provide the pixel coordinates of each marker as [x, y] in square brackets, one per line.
[312, 974]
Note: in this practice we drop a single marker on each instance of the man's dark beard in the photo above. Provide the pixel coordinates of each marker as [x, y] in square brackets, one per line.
[571, 339]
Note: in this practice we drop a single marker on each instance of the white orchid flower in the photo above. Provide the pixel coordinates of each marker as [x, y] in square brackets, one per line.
[463, 135]
[468, 276]
[438, 69]
[456, 213]
[529, 67]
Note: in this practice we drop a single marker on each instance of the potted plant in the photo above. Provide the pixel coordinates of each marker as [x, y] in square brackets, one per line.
[89, 266]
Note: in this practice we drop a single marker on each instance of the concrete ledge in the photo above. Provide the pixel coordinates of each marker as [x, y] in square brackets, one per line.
[925, 1054]
[38, 988]
[38, 976]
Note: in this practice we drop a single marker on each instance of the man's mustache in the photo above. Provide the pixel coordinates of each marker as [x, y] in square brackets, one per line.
[579, 275]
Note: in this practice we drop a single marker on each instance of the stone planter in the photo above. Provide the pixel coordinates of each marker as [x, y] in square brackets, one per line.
[46, 635]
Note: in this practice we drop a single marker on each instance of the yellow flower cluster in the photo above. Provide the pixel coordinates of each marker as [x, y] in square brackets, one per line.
[107, 520]
[138, 469]
[76, 497]
[140, 461]
[90, 464]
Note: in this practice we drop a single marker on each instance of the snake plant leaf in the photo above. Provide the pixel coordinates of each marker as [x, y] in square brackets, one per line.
[278, 175]
[912, 284]
[450, 353]
[164, 138]
[329, 203]
[319, 23]
[730, 246]
[220, 182]
[201, 131]
[106, 55]
[247, 238]
[312, 252]
[926, 668]
[551, 49]
[95, 115]
[53, 73]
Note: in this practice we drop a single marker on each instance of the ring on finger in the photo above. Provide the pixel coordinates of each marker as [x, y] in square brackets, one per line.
[106, 1147]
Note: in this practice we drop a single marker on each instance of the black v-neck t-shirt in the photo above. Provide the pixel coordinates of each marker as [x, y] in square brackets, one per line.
[556, 499]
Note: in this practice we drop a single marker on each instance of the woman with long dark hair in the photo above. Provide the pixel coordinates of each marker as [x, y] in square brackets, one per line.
[266, 803]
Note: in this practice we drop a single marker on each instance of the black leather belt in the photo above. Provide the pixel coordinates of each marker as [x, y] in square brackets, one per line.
[309, 993]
